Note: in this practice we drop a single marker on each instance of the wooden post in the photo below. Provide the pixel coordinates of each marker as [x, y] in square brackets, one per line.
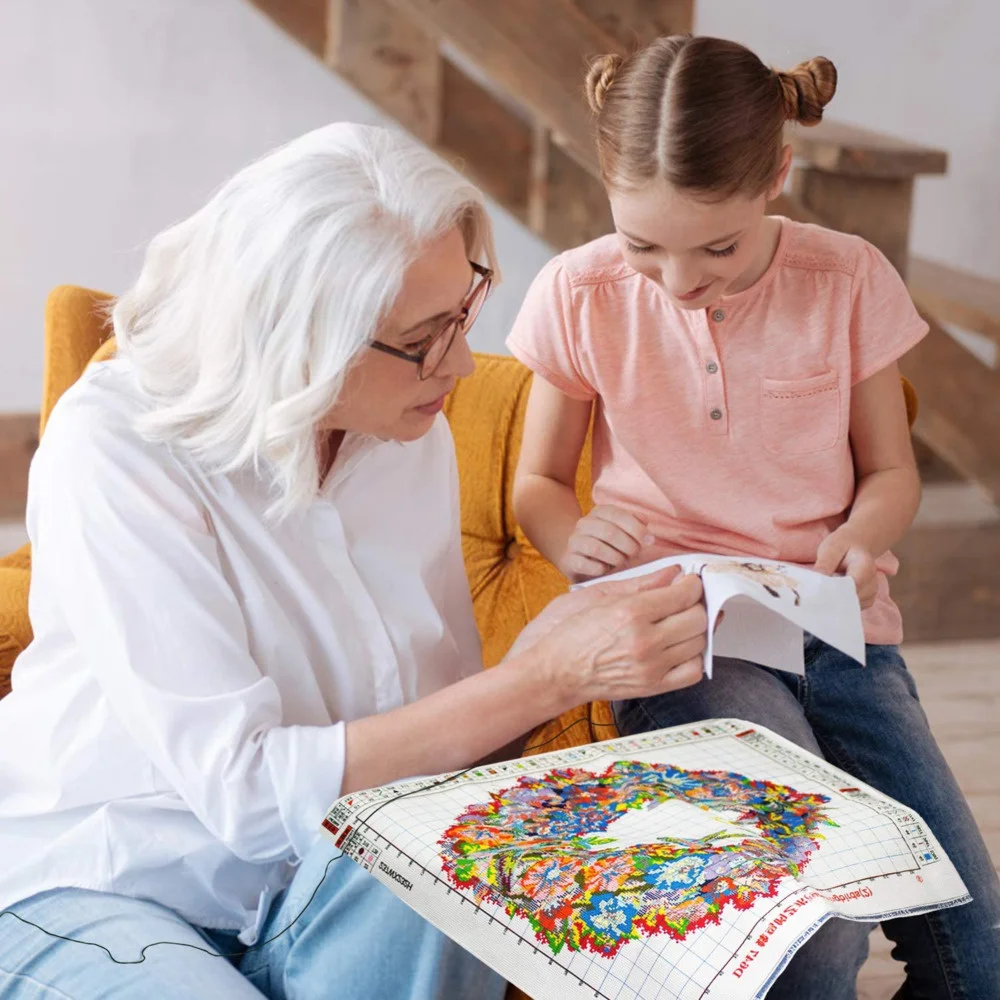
[862, 182]
[389, 59]
[634, 23]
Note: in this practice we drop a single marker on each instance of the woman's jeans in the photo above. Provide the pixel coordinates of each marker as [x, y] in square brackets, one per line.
[355, 941]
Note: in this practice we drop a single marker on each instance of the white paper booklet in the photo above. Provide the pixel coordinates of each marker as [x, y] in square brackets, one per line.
[685, 864]
[769, 606]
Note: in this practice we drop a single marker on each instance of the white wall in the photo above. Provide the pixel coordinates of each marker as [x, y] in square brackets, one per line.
[926, 70]
[122, 116]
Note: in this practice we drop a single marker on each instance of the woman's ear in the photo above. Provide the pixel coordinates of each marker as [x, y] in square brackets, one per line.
[784, 165]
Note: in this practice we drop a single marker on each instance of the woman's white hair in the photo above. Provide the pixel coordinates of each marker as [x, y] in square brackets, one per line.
[247, 316]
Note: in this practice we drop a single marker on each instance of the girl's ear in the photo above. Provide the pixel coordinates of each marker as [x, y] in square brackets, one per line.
[784, 165]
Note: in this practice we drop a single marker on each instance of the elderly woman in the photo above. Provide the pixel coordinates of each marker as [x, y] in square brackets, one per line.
[248, 599]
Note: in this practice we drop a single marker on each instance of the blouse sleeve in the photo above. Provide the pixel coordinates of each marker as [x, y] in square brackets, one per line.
[545, 337]
[126, 556]
[885, 323]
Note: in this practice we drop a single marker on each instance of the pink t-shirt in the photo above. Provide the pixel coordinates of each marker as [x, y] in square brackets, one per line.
[726, 430]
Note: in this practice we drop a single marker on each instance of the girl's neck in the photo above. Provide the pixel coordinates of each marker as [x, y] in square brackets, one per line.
[770, 236]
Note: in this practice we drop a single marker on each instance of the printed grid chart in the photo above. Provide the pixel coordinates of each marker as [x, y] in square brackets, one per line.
[687, 863]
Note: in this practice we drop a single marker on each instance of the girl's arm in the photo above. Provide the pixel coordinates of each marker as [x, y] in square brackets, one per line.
[888, 484]
[545, 502]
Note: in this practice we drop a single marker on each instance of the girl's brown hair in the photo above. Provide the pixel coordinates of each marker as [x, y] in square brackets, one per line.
[704, 114]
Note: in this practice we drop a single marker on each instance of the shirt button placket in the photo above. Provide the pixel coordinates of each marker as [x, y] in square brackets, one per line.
[715, 387]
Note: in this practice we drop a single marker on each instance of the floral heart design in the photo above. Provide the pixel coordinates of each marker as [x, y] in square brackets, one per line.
[540, 850]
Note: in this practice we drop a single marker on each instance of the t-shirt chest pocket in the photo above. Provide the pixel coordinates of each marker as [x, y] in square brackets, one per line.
[800, 416]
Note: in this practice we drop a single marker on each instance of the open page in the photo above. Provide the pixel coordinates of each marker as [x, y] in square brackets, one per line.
[686, 863]
[768, 607]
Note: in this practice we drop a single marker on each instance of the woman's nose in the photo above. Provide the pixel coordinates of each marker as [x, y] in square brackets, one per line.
[458, 362]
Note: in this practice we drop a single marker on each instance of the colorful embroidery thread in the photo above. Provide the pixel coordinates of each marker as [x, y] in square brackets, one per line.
[541, 850]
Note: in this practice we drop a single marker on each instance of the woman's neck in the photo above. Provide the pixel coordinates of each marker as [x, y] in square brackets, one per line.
[327, 445]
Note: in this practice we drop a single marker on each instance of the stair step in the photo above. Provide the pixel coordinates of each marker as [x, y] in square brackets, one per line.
[967, 300]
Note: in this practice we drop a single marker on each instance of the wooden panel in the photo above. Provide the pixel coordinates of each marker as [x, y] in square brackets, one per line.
[877, 208]
[389, 59]
[634, 23]
[956, 296]
[960, 407]
[537, 53]
[304, 20]
[846, 149]
[577, 209]
[949, 583]
[18, 441]
[485, 140]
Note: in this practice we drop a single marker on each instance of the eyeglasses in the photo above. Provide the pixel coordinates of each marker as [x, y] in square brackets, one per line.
[435, 348]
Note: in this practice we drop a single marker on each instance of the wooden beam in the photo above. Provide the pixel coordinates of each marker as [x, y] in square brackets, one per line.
[535, 52]
[959, 407]
[390, 59]
[948, 585]
[18, 441]
[634, 23]
[304, 20]
[847, 149]
[485, 140]
[877, 208]
[958, 297]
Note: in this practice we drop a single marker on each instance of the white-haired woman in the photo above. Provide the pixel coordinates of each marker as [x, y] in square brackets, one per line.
[248, 598]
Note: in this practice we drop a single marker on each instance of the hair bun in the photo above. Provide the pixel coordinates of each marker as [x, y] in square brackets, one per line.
[600, 77]
[807, 89]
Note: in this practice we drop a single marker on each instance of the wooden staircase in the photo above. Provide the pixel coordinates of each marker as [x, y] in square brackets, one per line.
[497, 89]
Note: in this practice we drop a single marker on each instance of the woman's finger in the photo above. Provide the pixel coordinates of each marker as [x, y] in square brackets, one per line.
[656, 604]
[613, 590]
[691, 623]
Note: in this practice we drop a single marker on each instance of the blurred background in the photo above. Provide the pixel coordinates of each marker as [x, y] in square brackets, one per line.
[122, 116]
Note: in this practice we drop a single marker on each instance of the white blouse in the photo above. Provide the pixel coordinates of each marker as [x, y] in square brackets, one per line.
[176, 729]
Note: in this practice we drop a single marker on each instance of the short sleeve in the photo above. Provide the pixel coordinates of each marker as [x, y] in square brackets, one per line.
[545, 336]
[885, 323]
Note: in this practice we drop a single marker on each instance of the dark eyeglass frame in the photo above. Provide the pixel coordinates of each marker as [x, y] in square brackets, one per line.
[462, 320]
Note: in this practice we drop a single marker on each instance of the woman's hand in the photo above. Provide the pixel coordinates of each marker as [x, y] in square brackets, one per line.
[623, 639]
[840, 552]
[602, 542]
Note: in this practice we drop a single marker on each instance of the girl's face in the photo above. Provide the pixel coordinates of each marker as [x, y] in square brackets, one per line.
[696, 250]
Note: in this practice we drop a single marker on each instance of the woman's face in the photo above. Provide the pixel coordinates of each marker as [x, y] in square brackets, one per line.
[383, 395]
[697, 251]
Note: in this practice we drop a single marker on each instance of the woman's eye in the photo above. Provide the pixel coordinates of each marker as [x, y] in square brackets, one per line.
[417, 346]
[725, 252]
[634, 248]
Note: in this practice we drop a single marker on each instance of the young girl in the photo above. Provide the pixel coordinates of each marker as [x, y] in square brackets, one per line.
[742, 374]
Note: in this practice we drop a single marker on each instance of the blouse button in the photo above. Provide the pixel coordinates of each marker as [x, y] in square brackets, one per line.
[719, 315]
[716, 414]
[711, 368]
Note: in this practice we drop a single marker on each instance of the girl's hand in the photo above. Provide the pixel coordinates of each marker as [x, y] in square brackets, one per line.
[602, 542]
[840, 553]
[625, 639]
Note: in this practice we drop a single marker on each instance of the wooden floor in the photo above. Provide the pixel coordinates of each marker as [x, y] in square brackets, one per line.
[960, 689]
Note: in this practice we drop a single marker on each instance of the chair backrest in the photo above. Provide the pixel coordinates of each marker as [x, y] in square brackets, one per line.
[76, 324]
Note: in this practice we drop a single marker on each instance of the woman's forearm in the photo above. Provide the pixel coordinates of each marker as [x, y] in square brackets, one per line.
[454, 727]
[547, 511]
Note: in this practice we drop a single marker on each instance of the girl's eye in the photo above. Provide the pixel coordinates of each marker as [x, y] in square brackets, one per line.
[725, 252]
[632, 248]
